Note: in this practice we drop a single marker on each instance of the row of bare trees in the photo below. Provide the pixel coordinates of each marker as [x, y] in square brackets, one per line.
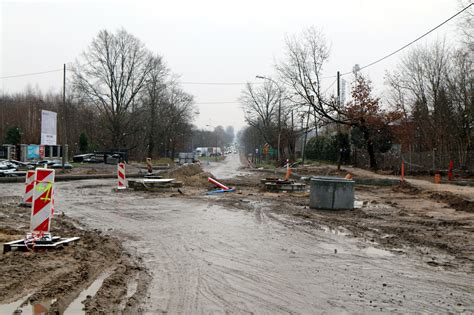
[300, 91]
[120, 95]
[430, 103]
[137, 99]
[433, 87]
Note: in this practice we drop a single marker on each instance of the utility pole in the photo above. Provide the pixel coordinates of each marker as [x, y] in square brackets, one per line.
[338, 118]
[279, 128]
[338, 90]
[305, 135]
[64, 137]
[293, 136]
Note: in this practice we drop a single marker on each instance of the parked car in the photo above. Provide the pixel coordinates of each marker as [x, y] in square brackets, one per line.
[94, 159]
[10, 168]
[67, 166]
[82, 157]
[46, 162]
[7, 165]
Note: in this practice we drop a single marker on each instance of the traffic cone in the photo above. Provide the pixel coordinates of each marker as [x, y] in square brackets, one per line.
[288, 170]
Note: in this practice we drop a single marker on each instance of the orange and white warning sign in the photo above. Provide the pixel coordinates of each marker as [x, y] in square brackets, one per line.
[121, 176]
[42, 206]
[29, 186]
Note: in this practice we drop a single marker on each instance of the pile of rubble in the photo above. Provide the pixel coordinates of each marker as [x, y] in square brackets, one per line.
[190, 175]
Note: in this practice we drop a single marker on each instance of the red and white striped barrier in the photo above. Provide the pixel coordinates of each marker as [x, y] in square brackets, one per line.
[29, 186]
[215, 182]
[42, 205]
[121, 176]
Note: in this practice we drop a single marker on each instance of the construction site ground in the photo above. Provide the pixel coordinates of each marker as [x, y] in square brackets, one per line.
[404, 248]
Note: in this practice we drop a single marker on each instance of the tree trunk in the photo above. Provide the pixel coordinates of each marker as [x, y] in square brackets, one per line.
[150, 149]
[370, 149]
[173, 150]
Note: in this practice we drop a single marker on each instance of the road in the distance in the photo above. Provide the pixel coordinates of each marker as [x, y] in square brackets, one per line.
[228, 168]
[209, 259]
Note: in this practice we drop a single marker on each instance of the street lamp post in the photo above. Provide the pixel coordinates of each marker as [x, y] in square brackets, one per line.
[279, 111]
[306, 131]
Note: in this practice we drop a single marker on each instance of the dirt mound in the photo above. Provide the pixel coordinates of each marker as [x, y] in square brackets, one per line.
[184, 171]
[190, 175]
[406, 188]
[56, 277]
[454, 201]
[198, 180]
[320, 171]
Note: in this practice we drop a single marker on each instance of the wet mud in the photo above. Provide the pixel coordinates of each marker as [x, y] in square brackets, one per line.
[256, 252]
[49, 281]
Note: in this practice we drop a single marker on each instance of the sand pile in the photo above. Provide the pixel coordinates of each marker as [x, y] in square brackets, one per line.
[190, 175]
[199, 180]
[186, 170]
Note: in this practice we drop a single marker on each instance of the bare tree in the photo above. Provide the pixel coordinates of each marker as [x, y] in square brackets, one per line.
[260, 105]
[302, 68]
[460, 90]
[302, 71]
[435, 82]
[466, 25]
[112, 73]
[153, 100]
[176, 113]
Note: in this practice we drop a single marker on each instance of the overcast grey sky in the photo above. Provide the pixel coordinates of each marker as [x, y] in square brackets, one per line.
[213, 41]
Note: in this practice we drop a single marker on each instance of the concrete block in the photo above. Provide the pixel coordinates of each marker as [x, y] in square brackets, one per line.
[331, 193]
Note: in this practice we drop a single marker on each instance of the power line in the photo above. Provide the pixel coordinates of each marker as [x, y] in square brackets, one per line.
[211, 103]
[330, 86]
[186, 83]
[243, 83]
[412, 42]
[30, 74]
[218, 83]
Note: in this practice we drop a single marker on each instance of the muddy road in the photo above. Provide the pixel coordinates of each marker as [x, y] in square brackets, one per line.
[228, 168]
[209, 255]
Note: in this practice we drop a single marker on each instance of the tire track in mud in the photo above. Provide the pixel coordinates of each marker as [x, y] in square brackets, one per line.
[207, 256]
[54, 279]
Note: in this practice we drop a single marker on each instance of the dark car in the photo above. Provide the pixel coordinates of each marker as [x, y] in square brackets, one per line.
[82, 157]
[46, 162]
[67, 166]
[95, 158]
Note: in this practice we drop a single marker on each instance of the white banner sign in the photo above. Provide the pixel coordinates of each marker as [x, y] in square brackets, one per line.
[48, 127]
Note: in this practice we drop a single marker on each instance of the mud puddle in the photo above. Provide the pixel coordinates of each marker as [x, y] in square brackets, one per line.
[211, 255]
[49, 281]
[219, 255]
[77, 306]
[35, 308]
[10, 308]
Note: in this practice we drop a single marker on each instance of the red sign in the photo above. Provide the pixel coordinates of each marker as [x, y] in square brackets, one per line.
[41, 151]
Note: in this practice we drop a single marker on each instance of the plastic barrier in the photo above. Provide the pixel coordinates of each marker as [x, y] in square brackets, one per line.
[29, 186]
[215, 182]
[121, 176]
[42, 206]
